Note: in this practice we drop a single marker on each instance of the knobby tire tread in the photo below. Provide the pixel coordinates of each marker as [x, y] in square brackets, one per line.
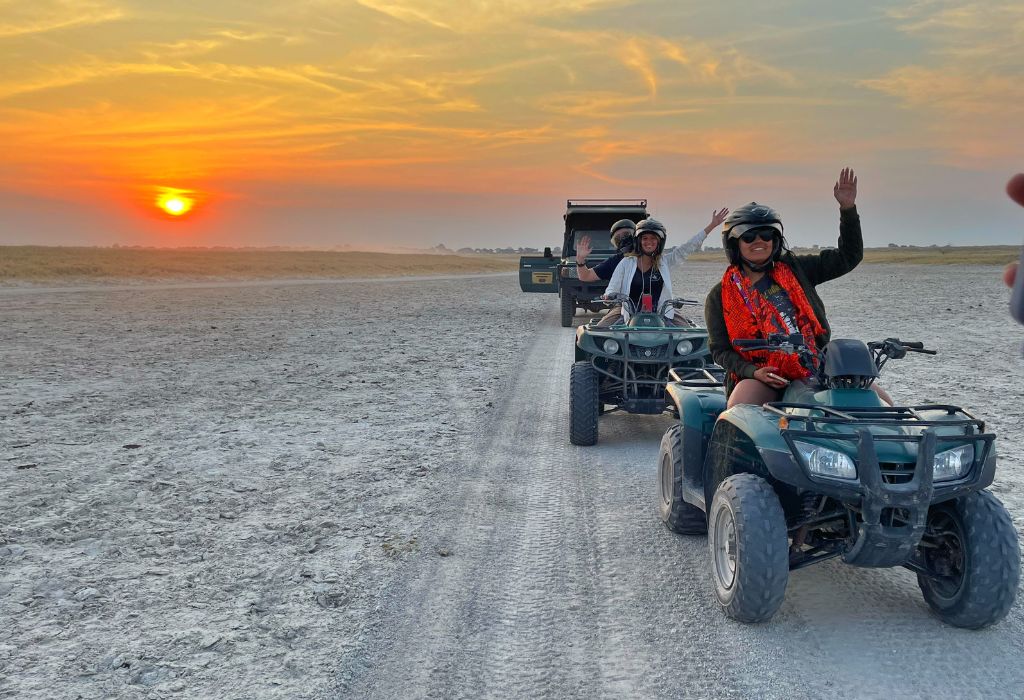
[762, 568]
[678, 515]
[584, 407]
[568, 309]
[993, 572]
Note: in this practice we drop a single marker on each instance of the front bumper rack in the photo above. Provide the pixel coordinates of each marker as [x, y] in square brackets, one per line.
[893, 514]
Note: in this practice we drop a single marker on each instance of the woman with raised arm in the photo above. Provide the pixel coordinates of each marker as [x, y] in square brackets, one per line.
[644, 273]
[768, 289]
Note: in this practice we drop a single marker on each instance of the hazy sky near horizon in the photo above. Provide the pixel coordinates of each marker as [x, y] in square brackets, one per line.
[417, 122]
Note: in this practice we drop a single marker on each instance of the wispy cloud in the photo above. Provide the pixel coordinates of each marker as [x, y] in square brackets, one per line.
[480, 15]
[967, 89]
[22, 19]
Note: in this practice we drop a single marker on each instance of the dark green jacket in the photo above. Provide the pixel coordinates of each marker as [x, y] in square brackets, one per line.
[810, 271]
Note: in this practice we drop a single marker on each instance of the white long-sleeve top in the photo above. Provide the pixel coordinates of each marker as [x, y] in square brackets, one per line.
[622, 278]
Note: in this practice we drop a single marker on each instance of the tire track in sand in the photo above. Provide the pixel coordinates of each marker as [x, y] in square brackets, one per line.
[563, 583]
[548, 587]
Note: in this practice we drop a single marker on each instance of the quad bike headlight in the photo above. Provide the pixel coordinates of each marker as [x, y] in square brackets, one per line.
[953, 464]
[684, 347]
[825, 462]
[611, 346]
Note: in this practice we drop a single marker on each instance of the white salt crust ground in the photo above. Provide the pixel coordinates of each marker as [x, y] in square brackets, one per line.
[236, 490]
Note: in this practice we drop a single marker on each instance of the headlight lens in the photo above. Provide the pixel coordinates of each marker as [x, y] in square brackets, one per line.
[611, 346]
[953, 464]
[684, 347]
[826, 462]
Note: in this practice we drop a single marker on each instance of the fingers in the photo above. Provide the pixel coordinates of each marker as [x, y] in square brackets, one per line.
[1015, 188]
[1010, 274]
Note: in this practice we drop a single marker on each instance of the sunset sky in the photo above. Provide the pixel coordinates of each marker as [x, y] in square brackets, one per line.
[417, 122]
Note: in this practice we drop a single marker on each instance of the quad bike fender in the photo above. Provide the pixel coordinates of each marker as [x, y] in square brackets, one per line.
[697, 409]
[759, 425]
[697, 413]
[746, 440]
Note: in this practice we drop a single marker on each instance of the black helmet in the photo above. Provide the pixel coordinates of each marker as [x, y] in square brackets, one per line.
[751, 216]
[748, 218]
[652, 225]
[625, 242]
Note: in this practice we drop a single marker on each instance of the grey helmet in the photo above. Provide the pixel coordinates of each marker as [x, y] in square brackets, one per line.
[651, 225]
[625, 241]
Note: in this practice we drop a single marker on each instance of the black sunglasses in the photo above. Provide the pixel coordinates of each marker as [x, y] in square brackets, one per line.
[765, 234]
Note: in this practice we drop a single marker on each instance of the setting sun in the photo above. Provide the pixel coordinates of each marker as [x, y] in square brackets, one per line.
[174, 203]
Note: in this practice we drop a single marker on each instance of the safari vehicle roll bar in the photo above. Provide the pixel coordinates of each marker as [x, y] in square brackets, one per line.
[606, 202]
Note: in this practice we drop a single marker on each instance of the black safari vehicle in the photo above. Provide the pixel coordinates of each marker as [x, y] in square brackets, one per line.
[583, 217]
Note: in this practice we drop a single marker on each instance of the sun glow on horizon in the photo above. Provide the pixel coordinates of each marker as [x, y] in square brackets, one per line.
[174, 202]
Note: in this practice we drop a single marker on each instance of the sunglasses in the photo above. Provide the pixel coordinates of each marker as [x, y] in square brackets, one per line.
[765, 234]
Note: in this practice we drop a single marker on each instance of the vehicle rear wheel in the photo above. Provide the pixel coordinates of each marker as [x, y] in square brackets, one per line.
[971, 545]
[584, 407]
[568, 309]
[749, 548]
[676, 513]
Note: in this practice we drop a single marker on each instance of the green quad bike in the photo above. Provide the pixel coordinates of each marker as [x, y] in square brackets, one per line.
[625, 367]
[835, 472]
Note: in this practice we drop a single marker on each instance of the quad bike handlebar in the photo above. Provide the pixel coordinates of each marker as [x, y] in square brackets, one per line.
[881, 350]
[626, 301]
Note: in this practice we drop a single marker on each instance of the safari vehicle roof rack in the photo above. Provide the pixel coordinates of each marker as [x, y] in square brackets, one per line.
[606, 202]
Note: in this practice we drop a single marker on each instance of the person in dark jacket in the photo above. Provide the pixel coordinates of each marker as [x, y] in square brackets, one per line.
[623, 234]
[768, 289]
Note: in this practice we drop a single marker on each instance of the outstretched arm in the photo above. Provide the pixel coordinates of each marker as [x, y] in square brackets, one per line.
[677, 255]
[836, 262]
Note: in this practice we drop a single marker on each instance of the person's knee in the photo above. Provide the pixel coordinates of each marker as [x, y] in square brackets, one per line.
[751, 391]
[882, 394]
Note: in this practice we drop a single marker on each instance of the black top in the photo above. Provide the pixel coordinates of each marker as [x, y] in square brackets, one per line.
[606, 268]
[777, 297]
[649, 282]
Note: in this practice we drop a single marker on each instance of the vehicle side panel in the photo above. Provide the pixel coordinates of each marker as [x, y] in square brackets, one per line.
[538, 274]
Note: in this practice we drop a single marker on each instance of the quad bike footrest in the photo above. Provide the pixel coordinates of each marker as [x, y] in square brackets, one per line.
[644, 406]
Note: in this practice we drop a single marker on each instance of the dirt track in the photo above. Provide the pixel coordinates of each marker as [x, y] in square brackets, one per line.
[302, 519]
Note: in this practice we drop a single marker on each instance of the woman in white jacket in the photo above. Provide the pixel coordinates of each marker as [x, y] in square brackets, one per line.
[645, 272]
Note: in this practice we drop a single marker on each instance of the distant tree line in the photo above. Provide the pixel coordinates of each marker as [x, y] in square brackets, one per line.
[556, 251]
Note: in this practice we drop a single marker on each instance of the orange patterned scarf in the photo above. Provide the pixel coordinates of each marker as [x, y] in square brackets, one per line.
[749, 315]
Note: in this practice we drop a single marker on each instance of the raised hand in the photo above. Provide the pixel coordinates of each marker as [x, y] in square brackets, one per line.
[717, 217]
[845, 189]
[583, 250]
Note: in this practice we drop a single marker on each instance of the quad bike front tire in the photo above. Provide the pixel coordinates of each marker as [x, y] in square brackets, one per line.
[568, 309]
[584, 408]
[978, 552]
[749, 548]
[678, 515]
